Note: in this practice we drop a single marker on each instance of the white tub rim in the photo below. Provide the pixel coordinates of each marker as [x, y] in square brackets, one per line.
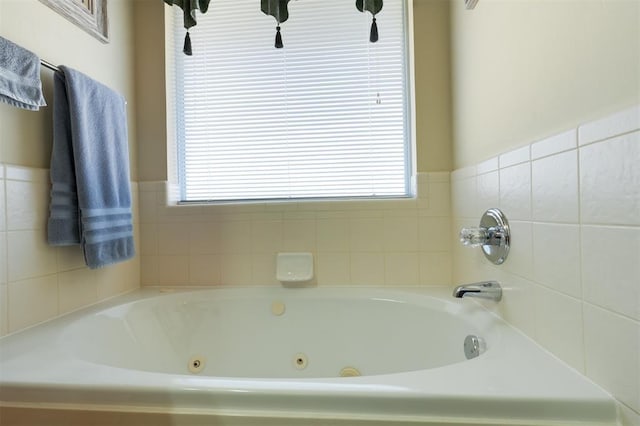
[539, 404]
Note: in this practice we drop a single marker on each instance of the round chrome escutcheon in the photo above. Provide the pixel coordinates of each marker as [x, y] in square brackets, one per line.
[495, 221]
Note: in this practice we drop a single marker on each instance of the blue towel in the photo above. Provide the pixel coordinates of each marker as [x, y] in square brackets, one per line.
[90, 193]
[20, 83]
[64, 218]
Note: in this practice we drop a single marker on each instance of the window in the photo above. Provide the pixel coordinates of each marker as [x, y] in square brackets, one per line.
[326, 116]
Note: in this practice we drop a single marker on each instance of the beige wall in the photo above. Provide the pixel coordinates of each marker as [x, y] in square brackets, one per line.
[529, 79]
[432, 84]
[571, 278]
[150, 89]
[26, 136]
[37, 281]
[523, 70]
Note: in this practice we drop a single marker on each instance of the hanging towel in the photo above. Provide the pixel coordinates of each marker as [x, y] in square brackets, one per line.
[64, 220]
[20, 83]
[90, 193]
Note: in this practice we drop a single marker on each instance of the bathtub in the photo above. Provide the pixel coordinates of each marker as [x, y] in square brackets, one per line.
[335, 355]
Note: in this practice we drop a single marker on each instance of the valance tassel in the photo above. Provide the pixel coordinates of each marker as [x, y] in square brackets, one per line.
[373, 37]
[279, 44]
[187, 45]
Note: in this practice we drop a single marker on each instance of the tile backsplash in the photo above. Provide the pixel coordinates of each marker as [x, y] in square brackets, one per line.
[374, 242]
[572, 279]
[39, 282]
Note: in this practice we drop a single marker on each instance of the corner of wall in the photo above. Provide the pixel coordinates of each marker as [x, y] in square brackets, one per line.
[150, 78]
[432, 57]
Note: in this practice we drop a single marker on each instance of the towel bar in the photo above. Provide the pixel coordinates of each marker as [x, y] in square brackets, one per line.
[49, 65]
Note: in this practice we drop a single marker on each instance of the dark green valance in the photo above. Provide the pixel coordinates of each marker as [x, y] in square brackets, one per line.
[189, 9]
[279, 9]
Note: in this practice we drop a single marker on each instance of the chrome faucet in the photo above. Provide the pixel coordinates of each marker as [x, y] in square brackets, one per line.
[484, 290]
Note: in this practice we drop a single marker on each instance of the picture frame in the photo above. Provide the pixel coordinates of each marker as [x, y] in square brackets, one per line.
[90, 15]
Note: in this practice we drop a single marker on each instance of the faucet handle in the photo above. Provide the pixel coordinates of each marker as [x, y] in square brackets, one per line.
[473, 237]
[492, 236]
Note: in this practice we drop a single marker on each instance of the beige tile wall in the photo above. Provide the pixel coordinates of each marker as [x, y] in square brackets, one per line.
[572, 279]
[384, 242]
[39, 282]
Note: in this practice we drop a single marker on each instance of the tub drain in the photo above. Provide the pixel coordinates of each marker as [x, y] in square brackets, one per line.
[196, 364]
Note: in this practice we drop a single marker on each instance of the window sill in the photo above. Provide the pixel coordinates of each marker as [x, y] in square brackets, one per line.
[342, 204]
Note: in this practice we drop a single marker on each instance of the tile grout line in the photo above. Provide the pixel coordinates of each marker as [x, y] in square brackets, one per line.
[580, 253]
[612, 312]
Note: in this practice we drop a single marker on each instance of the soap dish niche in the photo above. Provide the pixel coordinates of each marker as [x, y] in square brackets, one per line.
[294, 267]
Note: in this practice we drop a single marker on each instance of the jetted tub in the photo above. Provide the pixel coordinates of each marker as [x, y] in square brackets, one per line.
[338, 354]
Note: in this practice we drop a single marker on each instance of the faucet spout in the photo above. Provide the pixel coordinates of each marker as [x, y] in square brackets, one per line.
[483, 290]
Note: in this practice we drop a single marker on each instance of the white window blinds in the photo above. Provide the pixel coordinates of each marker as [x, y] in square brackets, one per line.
[324, 117]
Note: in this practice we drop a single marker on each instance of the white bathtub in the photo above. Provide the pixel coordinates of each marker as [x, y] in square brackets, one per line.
[278, 353]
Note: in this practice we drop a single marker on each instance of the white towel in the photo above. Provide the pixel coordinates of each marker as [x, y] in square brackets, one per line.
[20, 83]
